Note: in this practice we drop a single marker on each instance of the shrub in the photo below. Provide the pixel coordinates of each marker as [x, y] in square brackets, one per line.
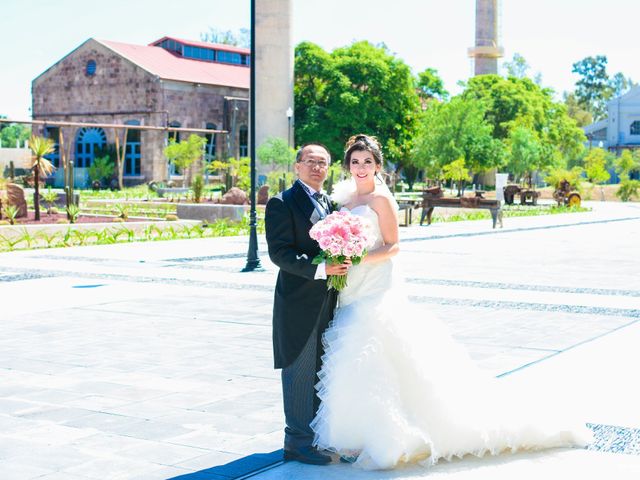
[101, 169]
[198, 186]
[628, 189]
[275, 181]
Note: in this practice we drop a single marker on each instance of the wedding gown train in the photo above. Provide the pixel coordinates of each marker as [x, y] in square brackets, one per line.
[396, 388]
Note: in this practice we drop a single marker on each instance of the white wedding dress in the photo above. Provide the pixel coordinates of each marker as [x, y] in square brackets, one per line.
[396, 388]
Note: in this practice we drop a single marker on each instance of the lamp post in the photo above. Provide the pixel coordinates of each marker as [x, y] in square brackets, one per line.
[253, 262]
[289, 117]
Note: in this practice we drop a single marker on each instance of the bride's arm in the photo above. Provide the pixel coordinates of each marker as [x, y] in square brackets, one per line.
[388, 221]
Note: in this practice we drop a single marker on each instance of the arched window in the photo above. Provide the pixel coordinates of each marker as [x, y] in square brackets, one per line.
[243, 140]
[175, 136]
[210, 147]
[88, 140]
[132, 158]
[635, 128]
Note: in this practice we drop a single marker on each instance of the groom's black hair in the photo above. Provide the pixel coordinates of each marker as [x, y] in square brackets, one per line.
[308, 144]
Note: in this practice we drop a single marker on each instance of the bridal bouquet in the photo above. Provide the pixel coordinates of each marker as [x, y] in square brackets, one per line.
[341, 236]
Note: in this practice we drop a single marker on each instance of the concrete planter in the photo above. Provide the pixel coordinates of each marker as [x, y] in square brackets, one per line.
[211, 212]
[171, 191]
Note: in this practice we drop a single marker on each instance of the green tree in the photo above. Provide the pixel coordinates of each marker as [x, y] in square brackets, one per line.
[431, 86]
[517, 67]
[595, 168]
[239, 38]
[40, 147]
[593, 90]
[13, 133]
[275, 151]
[620, 84]
[457, 172]
[455, 130]
[576, 111]
[516, 102]
[625, 164]
[525, 153]
[183, 154]
[359, 88]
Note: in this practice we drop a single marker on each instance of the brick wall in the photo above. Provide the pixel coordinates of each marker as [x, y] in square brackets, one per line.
[120, 91]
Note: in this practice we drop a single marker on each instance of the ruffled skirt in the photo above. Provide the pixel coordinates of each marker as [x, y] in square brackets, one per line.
[396, 388]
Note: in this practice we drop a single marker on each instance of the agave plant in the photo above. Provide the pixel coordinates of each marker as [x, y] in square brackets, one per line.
[50, 198]
[122, 209]
[73, 211]
[11, 212]
[40, 147]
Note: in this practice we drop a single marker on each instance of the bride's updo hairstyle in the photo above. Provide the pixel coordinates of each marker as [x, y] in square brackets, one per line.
[359, 143]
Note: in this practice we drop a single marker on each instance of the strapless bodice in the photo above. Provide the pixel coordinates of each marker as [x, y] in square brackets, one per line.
[367, 279]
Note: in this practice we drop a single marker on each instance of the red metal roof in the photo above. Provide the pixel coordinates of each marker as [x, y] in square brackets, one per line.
[215, 46]
[168, 66]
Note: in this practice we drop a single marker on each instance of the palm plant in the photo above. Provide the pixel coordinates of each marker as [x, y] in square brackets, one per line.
[40, 147]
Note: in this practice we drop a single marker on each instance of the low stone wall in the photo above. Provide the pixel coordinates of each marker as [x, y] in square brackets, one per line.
[19, 156]
[16, 231]
[211, 212]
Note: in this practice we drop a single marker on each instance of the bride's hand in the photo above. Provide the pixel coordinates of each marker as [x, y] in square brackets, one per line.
[338, 268]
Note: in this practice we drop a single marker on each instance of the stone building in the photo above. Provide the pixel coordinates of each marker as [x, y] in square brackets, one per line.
[170, 82]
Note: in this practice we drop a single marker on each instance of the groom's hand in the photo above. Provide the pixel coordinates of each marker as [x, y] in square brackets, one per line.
[338, 268]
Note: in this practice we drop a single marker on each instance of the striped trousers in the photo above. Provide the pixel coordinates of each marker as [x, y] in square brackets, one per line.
[299, 394]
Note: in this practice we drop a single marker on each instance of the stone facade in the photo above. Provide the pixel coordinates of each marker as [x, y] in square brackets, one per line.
[121, 91]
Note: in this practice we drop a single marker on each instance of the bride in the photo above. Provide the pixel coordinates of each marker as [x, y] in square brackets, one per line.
[394, 386]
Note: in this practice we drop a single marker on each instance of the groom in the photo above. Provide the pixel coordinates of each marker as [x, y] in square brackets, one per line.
[302, 305]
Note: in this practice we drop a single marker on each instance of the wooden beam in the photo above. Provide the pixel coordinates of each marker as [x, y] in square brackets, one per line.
[52, 123]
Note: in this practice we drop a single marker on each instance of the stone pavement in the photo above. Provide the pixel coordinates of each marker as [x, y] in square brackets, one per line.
[153, 360]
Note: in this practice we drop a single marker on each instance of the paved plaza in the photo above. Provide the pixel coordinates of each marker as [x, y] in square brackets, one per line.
[153, 360]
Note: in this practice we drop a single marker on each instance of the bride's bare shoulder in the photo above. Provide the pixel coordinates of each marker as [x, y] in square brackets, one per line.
[381, 203]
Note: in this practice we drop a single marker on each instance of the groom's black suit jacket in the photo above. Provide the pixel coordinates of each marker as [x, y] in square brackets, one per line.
[300, 301]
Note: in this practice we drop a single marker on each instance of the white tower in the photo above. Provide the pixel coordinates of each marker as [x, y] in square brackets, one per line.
[487, 50]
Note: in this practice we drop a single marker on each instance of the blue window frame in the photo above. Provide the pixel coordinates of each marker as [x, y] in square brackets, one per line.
[88, 140]
[228, 57]
[199, 53]
[243, 140]
[132, 156]
[173, 170]
[90, 69]
[53, 133]
[210, 147]
[634, 129]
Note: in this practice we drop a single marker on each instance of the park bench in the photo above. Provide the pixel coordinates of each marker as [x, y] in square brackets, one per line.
[433, 198]
[407, 201]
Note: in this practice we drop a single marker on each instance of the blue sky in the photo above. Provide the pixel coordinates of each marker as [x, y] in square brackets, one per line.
[550, 34]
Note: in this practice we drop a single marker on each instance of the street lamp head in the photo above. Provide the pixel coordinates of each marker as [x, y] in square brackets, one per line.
[289, 112]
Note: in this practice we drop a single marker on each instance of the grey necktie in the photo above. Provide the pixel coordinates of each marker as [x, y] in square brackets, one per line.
[322, 201]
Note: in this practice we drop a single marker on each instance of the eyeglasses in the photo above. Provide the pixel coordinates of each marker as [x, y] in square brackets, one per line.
[321, 164]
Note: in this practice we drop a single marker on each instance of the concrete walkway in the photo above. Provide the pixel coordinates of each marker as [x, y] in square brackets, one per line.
[153, 360]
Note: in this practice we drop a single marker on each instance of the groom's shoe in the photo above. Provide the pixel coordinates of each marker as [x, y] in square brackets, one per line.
[309, 455]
